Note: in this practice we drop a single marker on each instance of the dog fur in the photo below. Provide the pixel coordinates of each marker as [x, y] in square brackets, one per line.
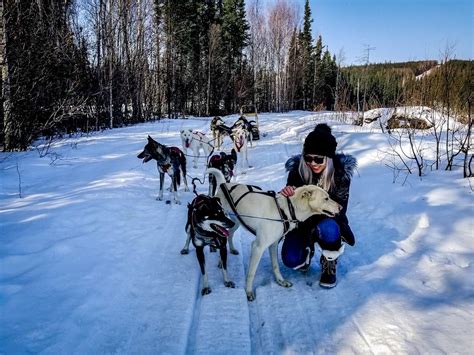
[196, 141]
[219, 131]
[307, 201]
[208, 224]
[169, 160]
[239, 137]
[226, 164]
[244, 123]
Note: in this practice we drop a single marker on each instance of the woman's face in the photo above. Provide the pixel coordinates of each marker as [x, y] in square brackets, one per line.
[317, 163]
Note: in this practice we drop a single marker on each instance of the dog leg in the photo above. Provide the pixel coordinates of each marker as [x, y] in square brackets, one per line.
[186, 188]
[233, 251]
[276, 268]
[205, 290]
[227, 282]
[255, 256]
[185, 249]
[195, 156]
[162, 181]
[246, 158]
[175, 191]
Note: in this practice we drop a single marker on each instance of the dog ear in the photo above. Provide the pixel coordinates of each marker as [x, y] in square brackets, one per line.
[151, 140]
[233, 153]
[306, 194]
[182, 131]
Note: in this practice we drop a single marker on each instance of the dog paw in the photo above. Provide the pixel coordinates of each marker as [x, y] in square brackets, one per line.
[284, 283]
[250, 296]
[184, 251]
[234, 252]
[205, 291]
[229, 284]
[159, 198]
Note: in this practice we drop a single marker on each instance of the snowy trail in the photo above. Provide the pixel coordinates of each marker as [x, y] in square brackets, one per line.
[90, 262]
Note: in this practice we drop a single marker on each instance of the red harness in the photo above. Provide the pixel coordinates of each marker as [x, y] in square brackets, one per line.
[239, 144]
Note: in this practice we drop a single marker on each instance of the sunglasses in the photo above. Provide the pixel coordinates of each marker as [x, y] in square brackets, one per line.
[316, 159]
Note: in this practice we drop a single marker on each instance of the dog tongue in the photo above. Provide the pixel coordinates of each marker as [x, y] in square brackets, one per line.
[223, 231]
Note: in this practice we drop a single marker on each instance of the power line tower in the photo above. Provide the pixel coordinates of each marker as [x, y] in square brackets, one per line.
[366, 60]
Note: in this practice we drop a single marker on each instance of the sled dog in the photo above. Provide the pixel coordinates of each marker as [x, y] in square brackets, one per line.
[226, 164]
[244, 123]
[269, 221]
[208, 224]
[169, 160]
[219, 131]
[195, 141]
[239, 137]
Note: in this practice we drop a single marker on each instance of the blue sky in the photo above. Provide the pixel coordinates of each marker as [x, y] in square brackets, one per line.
[400, 30]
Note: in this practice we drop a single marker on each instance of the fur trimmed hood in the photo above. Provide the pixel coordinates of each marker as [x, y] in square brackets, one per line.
[344, 166]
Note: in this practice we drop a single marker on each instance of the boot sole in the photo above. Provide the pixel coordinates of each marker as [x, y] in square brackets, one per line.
[325, 285]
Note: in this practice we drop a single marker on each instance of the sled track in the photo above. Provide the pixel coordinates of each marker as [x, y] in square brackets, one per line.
[224, 308]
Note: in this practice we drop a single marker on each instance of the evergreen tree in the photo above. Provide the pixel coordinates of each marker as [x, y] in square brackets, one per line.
[307, 57]
[234, 39]
[295, 73]
[318, 74]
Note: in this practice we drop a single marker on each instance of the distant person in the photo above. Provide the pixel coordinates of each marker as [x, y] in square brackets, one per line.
[319, 165]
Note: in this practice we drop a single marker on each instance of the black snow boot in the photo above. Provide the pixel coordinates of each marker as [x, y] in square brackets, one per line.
[328, 272]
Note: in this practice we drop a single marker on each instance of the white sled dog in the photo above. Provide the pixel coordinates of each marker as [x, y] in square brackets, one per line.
[272, 215]
[196, 141]
[239, 137]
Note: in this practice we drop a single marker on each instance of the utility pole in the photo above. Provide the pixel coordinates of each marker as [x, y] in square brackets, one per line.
[367, 49]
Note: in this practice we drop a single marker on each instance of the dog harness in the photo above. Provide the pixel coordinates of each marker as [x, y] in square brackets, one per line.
[255, 189]
[208, 237]
[239, 143]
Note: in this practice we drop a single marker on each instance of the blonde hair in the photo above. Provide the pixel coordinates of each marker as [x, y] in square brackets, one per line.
[326, 180]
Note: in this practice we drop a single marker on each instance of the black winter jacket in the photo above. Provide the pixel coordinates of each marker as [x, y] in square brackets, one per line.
[344, 166]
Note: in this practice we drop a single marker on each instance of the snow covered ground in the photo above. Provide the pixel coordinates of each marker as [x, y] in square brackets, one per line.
[90, 262]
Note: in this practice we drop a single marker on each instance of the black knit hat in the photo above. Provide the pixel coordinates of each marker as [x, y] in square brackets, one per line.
[320, 141]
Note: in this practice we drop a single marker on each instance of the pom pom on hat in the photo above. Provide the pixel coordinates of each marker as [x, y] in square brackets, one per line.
[320, 141]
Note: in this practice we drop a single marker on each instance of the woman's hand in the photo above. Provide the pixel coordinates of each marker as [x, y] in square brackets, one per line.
[288, 191]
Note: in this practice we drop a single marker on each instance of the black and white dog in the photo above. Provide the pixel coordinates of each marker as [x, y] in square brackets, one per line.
[208, 224]
[219, 131]
[169, 160]
[243, 122]
[226, 164]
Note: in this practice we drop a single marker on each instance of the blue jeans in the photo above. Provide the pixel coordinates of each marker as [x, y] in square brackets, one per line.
[298, 247]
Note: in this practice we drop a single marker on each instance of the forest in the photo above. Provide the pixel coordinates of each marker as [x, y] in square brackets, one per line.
[77, 66]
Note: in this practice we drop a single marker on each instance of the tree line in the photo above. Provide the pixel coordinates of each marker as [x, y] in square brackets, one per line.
[82, 65]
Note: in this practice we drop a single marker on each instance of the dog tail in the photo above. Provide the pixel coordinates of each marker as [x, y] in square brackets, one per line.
[220, 179]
